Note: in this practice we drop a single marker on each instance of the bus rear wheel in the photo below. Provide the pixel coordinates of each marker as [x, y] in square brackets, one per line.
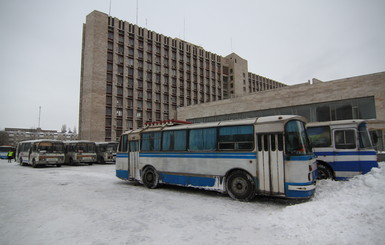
[324, 172]
[150, 178]
[240, 186]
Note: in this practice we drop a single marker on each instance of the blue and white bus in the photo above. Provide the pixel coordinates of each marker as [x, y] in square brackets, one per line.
[343, 148]
[259, 156]
[5, 149]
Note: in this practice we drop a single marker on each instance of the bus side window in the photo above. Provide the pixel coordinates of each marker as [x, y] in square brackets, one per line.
[319, 136]
[134, 146]
[123, 144]
[236, 138]
[151, 141]
[203, 139]
[174, 140]
[345, 139]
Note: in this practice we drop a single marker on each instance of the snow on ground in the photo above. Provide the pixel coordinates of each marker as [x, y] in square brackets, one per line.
[89, 205]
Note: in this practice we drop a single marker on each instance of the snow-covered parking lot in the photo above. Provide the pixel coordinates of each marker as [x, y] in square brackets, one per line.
[89, 205]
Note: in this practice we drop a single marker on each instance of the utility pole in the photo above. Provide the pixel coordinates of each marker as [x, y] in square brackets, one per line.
[39, 116]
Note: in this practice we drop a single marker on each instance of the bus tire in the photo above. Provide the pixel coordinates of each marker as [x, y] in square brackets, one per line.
[101, 160]
[150, 178]
[21, 162]
[240, 186]
[324, 172]
[34, 165]
[58, 165]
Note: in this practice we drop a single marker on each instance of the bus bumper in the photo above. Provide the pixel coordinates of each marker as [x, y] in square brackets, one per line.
[300, 190]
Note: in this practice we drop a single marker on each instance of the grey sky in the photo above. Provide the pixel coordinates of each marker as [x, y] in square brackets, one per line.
[288, 41]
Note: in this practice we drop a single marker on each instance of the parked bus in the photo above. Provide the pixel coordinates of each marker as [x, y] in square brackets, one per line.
[80, 151]
[106, 151]
[5, 149]
[343, 148]
[40, 152]
[265, 156]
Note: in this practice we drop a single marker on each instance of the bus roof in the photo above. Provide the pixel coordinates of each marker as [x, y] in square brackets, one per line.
[336, 123]
[78, 141]
[265, 124]
[41, 140]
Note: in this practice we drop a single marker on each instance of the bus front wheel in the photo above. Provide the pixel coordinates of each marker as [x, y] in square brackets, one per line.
[34, 165]
[150, 178]
[240, 186]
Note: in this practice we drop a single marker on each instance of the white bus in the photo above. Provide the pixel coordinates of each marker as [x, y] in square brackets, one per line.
[40, 152]
[106, 151]
[80, 151]
[343, 148]
[265, 156]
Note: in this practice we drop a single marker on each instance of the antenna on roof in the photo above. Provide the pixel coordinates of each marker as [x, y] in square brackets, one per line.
[109, 10]
[184, 28]
[137, 10]
[39, 117]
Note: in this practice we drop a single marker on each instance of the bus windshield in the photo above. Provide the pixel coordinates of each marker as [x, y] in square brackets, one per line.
[296, 139]
[112, 147]
[364, 137]
[51, 147]
[85, 147]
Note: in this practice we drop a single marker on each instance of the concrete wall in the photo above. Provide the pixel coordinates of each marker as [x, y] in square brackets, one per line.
[317, 92]
[93, 78]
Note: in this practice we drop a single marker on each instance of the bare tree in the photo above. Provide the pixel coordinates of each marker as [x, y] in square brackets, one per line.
[4, 138]
[64, 128]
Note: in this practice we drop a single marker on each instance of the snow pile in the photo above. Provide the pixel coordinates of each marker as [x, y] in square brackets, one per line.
[89, 205]
[350, 212]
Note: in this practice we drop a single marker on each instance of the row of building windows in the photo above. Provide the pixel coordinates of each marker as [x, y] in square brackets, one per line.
[358, 108]
[175, 43]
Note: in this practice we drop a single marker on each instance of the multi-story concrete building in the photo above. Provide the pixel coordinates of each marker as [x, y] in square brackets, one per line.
[16, 135]
[131, 75]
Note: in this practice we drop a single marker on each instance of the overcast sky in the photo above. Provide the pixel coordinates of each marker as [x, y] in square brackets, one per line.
[288, 41]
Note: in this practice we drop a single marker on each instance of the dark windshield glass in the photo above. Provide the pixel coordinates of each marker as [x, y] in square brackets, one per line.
[85, 147]
[51, 146]
[111, 147]
[364, 137]
[296, 138]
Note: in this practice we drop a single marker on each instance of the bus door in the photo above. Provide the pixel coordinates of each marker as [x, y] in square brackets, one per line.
[133, 159]
[346, 162]
[271, 164]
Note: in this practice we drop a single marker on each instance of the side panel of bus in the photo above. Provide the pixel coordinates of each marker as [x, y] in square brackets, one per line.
[200, 169]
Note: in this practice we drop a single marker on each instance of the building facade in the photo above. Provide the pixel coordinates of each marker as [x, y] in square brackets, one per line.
[131, 75]
[15, 135]
[361, 97]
